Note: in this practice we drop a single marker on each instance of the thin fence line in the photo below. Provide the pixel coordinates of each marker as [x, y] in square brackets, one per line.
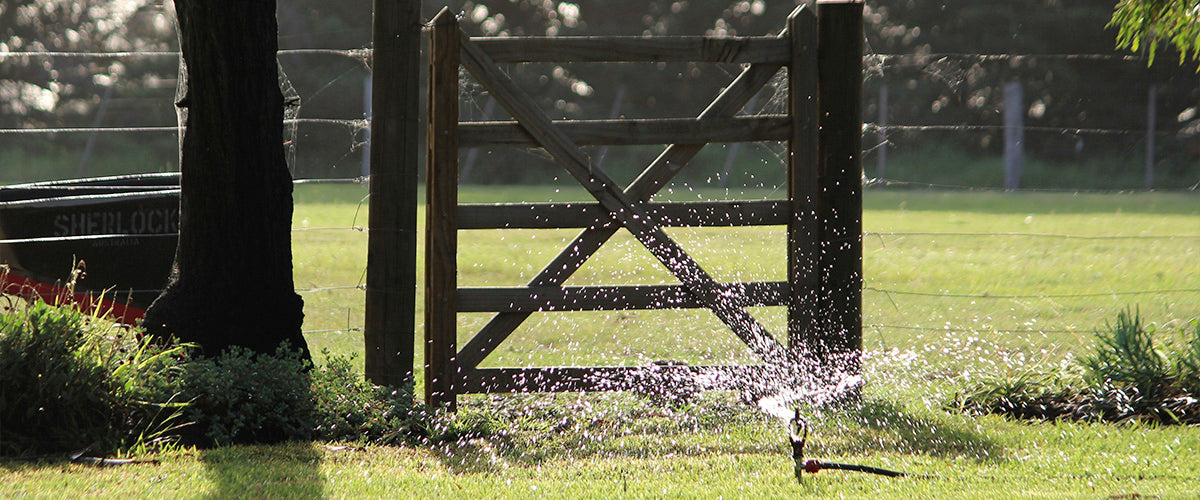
[869, 127]
[1040, 235]
[1168, 291]
[348, 122]
[334, 330]
[85, 237]
[362, 179]
[354, 228]
[87, 130]
[972, 329]
[883, 182]
[330, 288]
[361, 53]
[925, 58]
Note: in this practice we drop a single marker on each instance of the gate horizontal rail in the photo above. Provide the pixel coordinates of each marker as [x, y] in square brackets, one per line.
[634, 132]
[584, 215]
[592, 49]
[612, 298]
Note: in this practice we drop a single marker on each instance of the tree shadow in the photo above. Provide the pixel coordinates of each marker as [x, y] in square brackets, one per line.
[641, 430]
[291, 470]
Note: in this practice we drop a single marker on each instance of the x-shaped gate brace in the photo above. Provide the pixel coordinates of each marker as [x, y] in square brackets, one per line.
[448, 370]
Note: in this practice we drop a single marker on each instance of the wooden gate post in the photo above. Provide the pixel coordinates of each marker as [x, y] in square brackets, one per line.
[804, 229]
[839, 338]
[441, 214]
[389, 332]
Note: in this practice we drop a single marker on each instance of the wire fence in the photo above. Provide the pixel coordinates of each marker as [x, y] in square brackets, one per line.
[877, 137]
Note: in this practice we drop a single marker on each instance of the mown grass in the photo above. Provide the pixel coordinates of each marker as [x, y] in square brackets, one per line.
[949, 456]
[920, 350]
[1019, 284]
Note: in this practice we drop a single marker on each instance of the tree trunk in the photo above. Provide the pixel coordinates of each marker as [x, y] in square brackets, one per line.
[232, 279]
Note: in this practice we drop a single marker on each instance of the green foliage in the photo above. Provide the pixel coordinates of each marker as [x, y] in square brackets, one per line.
[1187, 361]
[1150, 22]
[1125, 376]
[242, 397]
[1126, 357]
[349, 408]
[67, 382]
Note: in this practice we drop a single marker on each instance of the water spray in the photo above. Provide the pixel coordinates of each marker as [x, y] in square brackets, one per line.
[798, 432]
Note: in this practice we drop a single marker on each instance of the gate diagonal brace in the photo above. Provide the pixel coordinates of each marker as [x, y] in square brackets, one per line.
[632, 215]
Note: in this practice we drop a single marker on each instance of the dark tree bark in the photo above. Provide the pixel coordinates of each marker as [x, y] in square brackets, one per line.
[232, 280]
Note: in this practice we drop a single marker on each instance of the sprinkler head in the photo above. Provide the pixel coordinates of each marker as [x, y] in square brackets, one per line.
[798, 432]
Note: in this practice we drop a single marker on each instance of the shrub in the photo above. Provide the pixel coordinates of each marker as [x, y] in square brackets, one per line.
[1124, 377]
[239, 396]
[70, 381]
[347, 407]
[1126, 358]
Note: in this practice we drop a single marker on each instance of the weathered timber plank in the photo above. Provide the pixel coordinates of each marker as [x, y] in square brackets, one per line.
[390, 300]
[609, 378]
[589, 215]
[613, 298]
[736, 50]
[804, 225]
[633, 132]
[837, 343]
[441, 207]
[630, 214]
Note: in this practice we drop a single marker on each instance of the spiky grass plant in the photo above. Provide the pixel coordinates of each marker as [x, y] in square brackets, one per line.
[1126, 358]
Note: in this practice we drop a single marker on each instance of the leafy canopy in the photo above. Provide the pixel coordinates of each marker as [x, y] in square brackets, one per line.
[1150, 22]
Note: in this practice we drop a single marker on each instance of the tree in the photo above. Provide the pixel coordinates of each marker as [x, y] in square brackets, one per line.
[44, 91]
[232, 279]
[1176, 22]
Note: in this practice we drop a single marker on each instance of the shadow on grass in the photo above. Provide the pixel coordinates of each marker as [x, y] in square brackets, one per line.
[878, 425]
[291, 470]
[873, 426]
[633, 429]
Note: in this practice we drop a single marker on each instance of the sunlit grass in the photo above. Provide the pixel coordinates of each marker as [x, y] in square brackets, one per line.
[613, 449]
[920, 350]
[1023, 287]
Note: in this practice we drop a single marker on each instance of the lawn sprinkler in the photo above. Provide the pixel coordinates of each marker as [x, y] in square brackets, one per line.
[798, 432]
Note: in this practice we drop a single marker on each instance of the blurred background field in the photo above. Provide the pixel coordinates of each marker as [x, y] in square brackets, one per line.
[957, 277]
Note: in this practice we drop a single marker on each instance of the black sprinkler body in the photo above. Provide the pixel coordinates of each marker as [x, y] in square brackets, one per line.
[798, 433]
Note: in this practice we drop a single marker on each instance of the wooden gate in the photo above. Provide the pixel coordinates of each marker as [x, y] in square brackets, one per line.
[822, 212]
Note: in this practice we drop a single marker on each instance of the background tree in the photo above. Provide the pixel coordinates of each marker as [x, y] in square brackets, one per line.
[1149, 22]
[232, 280]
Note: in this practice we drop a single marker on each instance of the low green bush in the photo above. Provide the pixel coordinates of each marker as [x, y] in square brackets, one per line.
[348, 408]
[242, 397]
[1126, 376]
[239, 396]
[70, 381]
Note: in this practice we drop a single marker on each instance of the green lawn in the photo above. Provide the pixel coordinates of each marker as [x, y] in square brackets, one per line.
[930, 278]
[941, 309]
